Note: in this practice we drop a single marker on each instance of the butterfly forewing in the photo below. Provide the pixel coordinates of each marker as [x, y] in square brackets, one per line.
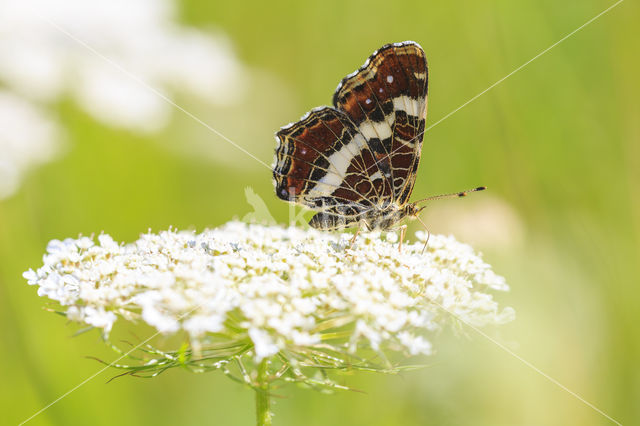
[386, 99]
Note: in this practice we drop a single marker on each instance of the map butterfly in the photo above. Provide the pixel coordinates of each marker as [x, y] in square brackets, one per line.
[355, 163]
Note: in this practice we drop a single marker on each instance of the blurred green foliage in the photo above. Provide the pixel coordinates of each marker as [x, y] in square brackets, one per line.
[559, 141]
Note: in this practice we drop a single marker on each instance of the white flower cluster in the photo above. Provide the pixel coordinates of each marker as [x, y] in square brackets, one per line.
[42, 63]
[281, 288]
[28, 138]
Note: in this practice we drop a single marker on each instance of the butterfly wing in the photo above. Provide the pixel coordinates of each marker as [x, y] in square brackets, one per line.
[386, 99]
[319, 163]
[354, 160]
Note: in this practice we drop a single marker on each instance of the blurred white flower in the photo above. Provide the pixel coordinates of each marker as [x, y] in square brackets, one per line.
[280, 290]
[40, 62]
[28, 137]
[486, 221]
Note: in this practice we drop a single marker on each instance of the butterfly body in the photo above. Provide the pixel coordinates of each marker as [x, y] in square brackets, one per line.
[376, 219]
[356, 162]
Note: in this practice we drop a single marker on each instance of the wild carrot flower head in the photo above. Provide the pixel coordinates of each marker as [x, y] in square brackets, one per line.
[299, 298]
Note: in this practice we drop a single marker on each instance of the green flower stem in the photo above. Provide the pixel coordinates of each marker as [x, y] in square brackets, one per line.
[263, 401]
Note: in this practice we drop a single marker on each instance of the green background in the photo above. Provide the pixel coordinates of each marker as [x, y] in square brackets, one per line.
[559, 141]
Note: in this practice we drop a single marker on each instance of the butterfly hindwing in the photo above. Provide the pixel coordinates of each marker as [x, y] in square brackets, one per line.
[320, 162]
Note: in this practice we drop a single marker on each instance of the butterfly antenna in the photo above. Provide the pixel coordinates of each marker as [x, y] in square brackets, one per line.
[452, 195]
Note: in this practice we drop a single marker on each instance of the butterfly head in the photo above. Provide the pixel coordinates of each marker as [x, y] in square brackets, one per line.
[412, 210]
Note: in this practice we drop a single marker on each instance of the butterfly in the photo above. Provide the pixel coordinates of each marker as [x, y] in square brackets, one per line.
[355, 162]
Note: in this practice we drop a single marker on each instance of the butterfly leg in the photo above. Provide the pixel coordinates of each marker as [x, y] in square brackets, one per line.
[428, 234]
[403, 231]
[353, 240]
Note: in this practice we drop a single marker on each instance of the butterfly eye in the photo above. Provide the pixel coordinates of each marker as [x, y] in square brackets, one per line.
[389, 79]
[381, 90]
[367, 101]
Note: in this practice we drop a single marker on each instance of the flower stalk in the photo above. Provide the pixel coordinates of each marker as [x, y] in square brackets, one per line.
[263, 397]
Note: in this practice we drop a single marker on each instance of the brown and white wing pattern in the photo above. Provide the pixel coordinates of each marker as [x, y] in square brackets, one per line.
[355, 160]
[320, 162]
[387, 100]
